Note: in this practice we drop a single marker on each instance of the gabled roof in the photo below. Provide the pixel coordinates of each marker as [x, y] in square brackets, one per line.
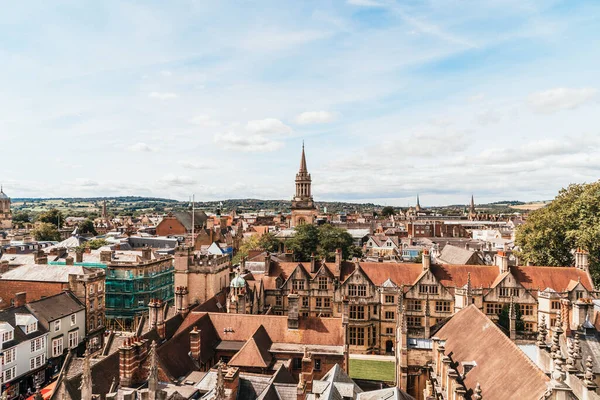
[502, 369]
[456, 255]
[185, 217]
[55, 307]
[255, 352]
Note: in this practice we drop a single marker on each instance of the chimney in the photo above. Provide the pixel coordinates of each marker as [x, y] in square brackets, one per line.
[195, 344]
[502, 261]
[10, 250]
[426, 259]
[267, 262]
[132, 353]
[79, 256]
[153, 313]
[313, 264]
[4, 266]
[69, 261]
[580, 314]
[181, 300]
[106, 256]
[581, 259]
[338, 263]
[146, 254]
[292, 319]
[20, 299]
[38, 254]
[160, 319]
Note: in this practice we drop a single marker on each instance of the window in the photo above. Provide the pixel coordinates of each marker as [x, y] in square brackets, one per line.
[305, 302]
[73, 339]
[579, 294]
[431, 289]
[413, 321]
[99, 321]
[278, 301]
[9, 374]
[323, 285]
[507, 292]
[73, 319]
[7, 336]
[100, 288]
[389, 331]
[357, 336]
[9, 356]
[140, 304]
[57, 325]
[31, 328]
[319, 302]
[37, 362]
[91, 289]
[414, 305]
[57, 347]
[442, 306]
[528, 326]
[389, 299]
[317, 364]
[526, 309]
[37, 344]
[493, 308]
[298, 284]
[555, 305]
[390, 315]
[357, 290]
[297, 363]
[91, 324]
[326, 302]
[357, 312]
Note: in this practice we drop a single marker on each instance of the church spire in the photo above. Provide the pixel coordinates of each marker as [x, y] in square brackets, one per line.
[303, 161]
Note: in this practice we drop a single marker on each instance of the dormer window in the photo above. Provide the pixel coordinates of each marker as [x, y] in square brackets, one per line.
[31, 328]
[7, 336]
[57, 325]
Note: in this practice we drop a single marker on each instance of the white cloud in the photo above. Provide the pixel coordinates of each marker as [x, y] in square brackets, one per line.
[246, 142]
[315, 117]
[553, 100]
[268, 126]
[205, 120]
[142, 147]
[177, 180]
[166, 73]
[162, 95]
[195, 164]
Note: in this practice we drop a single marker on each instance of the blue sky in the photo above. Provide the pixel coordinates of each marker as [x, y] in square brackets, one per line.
[445, 98]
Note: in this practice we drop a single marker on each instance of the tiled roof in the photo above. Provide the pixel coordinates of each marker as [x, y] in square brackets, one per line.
[255, 352]
[502, 368]
[55, 307]
[45, 273]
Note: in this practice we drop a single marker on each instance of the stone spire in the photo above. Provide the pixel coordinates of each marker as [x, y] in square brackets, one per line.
[418, 206]
[86, 378]
[577, 348]
[153, 370]
[571, 368]
[512, 315]
[542, 333]
[220, 386]
[589, 376]
[555, 348]
[303, 161]
[477, 392]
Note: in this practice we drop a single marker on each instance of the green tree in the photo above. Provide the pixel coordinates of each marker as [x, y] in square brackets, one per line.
[53, 217]
[46, 231]
[268, 242]
[388, 211]
[570, 221]
[95, 244]
[304, 242]
[87, 227]
[20, 218]
[332, 238]
[250, 243]
[504, 319]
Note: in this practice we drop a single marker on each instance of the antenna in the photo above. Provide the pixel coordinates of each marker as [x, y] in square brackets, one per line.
[193, 220]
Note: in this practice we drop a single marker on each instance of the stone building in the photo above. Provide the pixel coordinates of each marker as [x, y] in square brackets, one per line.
[304, 210]
[5, 213]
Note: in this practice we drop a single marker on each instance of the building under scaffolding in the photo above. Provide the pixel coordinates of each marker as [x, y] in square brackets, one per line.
[133, 279]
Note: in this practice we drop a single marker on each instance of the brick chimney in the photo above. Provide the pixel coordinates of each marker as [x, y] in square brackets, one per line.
[313, 264]
[581, 259]
[132, 355]
[146, 254]
[181, 299]
[69, 261]
[293, 321]
[79, 256]
[195, 344]
[4, 265]
[153, 310]
[502, 261]
[106, 256]
[20, 299]
[160, 319]
[338, 263]
[426, 260]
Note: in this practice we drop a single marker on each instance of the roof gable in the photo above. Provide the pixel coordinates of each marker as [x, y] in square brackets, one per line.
[255, 352]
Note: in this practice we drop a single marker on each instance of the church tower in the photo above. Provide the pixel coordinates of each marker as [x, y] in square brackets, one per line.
[303, 206]
[5, 214]
[472, 211]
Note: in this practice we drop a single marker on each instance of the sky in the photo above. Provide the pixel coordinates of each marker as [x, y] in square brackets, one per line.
[443, 98]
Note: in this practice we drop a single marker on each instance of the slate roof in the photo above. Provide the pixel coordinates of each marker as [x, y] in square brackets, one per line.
[55, 307]
[456, 255]
[45, 273]
[392, 393]
[185, 217]
[502, 368]
[9, 316]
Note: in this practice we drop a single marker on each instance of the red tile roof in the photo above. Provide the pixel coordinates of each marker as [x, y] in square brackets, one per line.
[502, 369]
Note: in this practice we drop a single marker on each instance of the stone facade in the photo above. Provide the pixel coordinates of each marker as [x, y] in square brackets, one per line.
[304, 210]
[5, 213]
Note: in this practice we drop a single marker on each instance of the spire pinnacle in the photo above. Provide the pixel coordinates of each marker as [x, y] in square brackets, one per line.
[303, 160]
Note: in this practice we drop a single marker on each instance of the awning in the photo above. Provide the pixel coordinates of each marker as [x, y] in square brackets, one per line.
[46, 391]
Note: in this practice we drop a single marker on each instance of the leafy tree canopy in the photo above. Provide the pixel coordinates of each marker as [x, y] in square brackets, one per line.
[46, 231]
[269, 242]
[250, 243]
[87, 227]
[53, 217]
[322, 241]
[570, 221]
[388, 211]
